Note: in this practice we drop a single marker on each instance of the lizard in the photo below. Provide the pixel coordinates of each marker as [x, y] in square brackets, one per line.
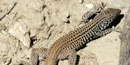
[66, 46]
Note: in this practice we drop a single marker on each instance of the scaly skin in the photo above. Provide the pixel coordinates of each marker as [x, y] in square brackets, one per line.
[67, 45]
[75, 39]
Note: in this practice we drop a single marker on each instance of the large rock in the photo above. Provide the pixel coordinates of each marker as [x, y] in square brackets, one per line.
[125, 41]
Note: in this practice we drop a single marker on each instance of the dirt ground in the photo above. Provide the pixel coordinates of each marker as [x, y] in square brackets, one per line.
[40, 22]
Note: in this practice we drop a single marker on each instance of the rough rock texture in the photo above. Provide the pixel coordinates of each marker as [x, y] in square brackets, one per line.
[125, 39]
[46, 21]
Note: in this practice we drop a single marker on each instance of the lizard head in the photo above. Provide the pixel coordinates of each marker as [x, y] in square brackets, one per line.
[107, 17]
[112, 12]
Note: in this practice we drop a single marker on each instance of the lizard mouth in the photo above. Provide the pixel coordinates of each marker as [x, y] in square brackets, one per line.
[117, 11]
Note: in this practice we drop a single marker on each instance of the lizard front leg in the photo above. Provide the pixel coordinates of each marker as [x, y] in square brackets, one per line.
[107, 31]
[89, 15]
[104, 32]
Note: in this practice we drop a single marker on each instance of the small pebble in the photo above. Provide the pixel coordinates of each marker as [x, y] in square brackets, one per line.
[20, 31]
[89, 5]
[81, 1]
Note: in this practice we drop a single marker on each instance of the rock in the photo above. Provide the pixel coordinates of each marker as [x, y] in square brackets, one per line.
[125, 41]
[33, 19]
[20, 31]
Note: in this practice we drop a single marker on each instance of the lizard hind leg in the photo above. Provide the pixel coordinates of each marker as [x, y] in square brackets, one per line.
[36, 52]
[70, 55]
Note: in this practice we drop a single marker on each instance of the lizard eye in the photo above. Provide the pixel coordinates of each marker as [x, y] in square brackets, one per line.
[98, 9]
